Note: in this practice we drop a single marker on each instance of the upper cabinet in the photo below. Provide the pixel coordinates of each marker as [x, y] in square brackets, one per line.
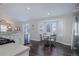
[8, 26]
[76, 11]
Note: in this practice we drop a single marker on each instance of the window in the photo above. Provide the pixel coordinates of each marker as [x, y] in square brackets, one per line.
[53, 27]
[48, 26]
[3, 28]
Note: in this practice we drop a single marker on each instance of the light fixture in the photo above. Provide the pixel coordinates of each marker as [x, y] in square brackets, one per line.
[28, 8]
[9, 27]
[48, 13]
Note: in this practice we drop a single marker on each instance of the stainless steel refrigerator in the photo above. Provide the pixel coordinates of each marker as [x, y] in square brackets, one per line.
[76, 34]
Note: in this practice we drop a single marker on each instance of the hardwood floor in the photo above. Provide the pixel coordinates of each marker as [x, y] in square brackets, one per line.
[38, 49]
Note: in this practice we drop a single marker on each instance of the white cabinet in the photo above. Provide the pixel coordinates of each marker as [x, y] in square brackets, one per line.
[18, 37]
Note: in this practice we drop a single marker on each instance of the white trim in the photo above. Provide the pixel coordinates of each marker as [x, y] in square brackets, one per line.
[64, 43]
[56, 41]
[35, 39]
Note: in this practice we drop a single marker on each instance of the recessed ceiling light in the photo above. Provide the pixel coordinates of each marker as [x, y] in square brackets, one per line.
[28, 8]
[48, 13]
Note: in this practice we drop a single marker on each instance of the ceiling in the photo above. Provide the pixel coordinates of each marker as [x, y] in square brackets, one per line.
[29, 11]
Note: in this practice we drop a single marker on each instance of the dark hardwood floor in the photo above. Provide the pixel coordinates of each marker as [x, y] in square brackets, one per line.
[38, 49]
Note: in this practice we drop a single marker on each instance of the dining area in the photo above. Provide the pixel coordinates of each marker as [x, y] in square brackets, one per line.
[49, 40]
[48, 33]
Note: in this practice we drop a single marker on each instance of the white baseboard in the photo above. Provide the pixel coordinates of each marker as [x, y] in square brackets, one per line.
[35, 39]
[56, 41]
[64, 43]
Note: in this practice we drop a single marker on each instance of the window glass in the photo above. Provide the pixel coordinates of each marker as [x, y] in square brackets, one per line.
[48, 27]
[3, 28]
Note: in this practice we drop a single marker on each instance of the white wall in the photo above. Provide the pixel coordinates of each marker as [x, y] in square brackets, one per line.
[66, 37]
[34, 34]
[64, 33]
